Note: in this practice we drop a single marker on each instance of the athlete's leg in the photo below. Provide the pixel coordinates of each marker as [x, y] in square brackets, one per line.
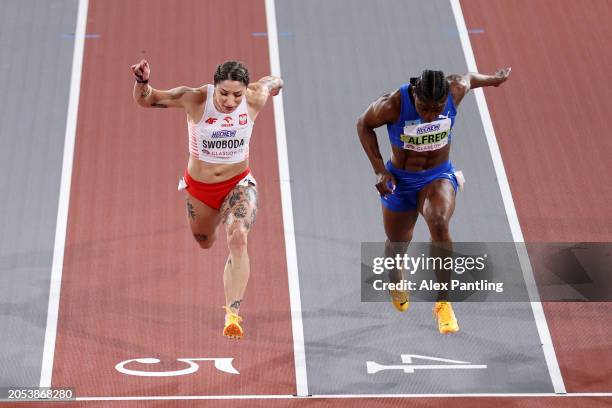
[203, 221]
[437, 204]
[399, 226]
[238, 214]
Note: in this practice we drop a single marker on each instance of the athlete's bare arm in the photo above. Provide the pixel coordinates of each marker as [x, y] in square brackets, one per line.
[258, 92]
[272, 84]
[385, 109]
[460, 85]
[147, 96]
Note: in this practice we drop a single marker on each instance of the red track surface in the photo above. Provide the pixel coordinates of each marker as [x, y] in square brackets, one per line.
[551, 123]
[135, 283]
[561, 402]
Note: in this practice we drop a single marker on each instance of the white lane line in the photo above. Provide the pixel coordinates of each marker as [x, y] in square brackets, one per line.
[287, 206]
[64, 196]
[515, 228]
[343, 396]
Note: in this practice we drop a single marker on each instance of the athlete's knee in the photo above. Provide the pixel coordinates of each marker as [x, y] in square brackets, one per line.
[237, 236]
[438, 225]
[397, 246]
[204, 240]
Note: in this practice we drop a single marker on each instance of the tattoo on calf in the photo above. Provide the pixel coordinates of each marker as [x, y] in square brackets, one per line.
[200, 237]
[236, 304]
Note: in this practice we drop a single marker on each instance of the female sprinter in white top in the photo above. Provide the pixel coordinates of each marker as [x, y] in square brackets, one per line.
[218, 184]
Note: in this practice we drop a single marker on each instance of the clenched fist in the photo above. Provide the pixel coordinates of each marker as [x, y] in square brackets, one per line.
[141, 70]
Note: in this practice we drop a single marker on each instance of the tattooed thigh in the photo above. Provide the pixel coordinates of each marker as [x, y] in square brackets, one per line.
[240, 205]
[203, 221]
[190, 209]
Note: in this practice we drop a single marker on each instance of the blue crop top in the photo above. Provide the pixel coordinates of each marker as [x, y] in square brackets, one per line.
[410, 133]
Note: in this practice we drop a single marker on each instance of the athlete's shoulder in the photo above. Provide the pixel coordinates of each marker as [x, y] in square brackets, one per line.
[458, 83]
[189, 95]
[458, 80]
[255, 87]
[388, 106]
[459, 86]
[257, 93]
[202, 92]
[385, 109]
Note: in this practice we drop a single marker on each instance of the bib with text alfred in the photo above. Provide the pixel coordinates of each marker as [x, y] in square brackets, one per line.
[426, 137]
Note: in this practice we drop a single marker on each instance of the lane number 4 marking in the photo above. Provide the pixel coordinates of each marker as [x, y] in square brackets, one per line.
[408, 367]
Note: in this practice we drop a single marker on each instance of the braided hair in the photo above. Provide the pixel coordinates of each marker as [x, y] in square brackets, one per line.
[232, 71]
[432, 86]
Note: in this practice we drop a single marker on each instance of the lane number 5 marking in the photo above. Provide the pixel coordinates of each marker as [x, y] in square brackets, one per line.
[221, 364]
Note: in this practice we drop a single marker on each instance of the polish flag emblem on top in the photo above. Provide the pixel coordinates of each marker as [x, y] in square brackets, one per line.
[242, 119]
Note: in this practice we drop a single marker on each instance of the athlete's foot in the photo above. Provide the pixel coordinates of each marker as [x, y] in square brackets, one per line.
[400, 299]
[232, 328]
[447, 322]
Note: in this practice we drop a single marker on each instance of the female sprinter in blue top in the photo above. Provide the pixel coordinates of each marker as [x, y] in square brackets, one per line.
[419, 178]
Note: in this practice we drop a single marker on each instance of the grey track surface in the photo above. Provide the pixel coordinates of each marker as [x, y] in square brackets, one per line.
[35, 66]
[356, 51]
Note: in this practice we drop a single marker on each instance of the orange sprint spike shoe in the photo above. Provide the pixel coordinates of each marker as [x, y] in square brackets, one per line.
[400, 300]
[447, 322]
[232, 328]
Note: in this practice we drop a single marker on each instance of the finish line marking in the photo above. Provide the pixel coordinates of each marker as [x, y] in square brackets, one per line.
[341, 396]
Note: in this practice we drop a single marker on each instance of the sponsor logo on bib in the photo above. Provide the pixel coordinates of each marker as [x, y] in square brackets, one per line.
[427, 129]
[227, 121]
[427, 136]
[218, 134]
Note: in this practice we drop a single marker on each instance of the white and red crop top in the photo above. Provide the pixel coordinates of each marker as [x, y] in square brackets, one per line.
[221, 137]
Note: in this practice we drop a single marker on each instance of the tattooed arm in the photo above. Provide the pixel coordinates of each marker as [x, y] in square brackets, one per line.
[258, 92]
[272, 84]
[147, 96]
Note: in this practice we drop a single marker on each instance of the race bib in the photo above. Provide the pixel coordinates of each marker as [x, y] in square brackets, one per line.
[425, 137]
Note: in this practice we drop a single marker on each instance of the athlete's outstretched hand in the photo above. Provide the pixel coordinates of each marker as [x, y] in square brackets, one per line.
[142, 70]
[382, 185]
[502, 75]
